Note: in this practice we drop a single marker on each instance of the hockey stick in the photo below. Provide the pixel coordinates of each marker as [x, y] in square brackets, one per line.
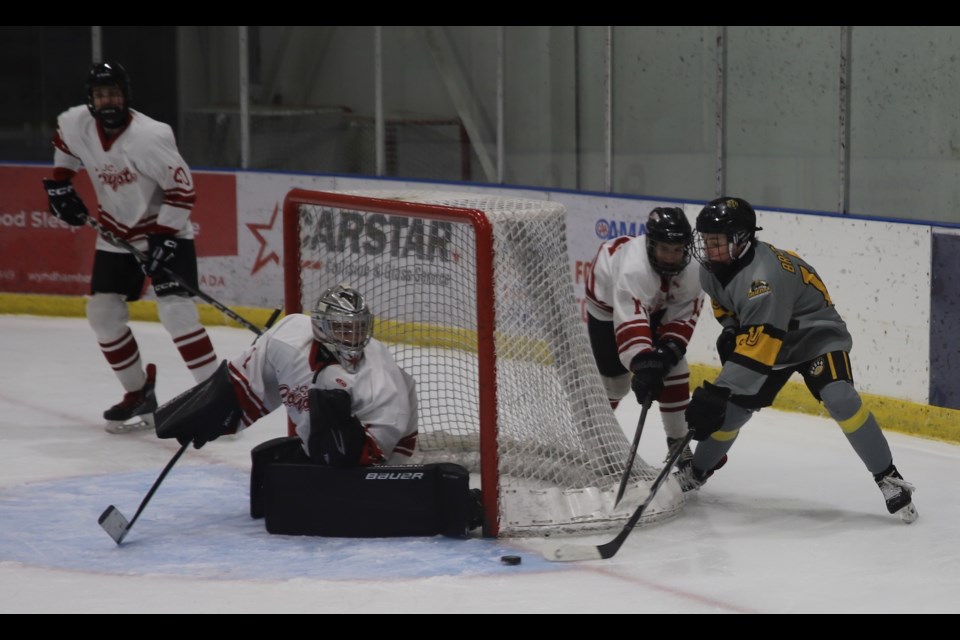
[573, 552]
[114, 522]
[633, 448]
[116, 240]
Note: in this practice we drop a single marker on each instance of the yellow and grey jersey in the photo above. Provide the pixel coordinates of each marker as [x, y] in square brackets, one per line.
[782, 312]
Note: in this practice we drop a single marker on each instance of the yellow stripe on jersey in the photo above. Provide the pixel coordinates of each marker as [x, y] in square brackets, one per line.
[758, 345]
[719, 312]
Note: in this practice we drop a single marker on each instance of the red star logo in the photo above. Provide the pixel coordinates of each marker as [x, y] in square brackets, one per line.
[263, 256]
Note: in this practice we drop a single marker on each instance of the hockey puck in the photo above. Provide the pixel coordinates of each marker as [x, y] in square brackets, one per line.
[510, 560]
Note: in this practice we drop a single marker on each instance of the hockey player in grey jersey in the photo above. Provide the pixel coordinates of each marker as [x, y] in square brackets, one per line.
[778, 319]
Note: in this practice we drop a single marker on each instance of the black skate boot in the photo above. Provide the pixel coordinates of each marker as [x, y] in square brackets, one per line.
[691, 478]
[896, 493]
[684, 458]
[135, 411]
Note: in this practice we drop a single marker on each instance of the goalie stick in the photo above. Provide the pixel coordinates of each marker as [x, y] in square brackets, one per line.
[574, 552]
[114, 522]
[633, 448]
[116, 240]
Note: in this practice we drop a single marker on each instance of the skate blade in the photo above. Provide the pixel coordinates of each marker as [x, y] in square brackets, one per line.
[134, 424]
[908, 514]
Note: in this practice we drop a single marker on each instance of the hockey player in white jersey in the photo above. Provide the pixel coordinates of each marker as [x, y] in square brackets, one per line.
[145, 194]
[778, 319]
[642, 307]
[348, 401]
[354, 411]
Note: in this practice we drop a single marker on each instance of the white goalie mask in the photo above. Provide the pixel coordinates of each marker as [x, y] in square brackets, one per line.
[342, 322]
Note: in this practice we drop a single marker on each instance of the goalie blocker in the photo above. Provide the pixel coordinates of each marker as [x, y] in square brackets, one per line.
[300, 497]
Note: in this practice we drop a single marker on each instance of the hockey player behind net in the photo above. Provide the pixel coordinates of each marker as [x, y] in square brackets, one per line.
[349, 403]
[642, 306]
[778, 319]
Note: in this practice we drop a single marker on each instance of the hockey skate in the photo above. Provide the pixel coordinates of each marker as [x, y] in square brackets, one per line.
[135, 411]
[896, 493]
[684, 458]
[691, 478]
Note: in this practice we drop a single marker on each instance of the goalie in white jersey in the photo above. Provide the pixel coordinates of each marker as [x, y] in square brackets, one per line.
[145, 195]
[642, 306]
[354, 411]
[778, 319]
[346, 398]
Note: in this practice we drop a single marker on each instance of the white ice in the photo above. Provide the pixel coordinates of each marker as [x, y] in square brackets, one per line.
[792, 524]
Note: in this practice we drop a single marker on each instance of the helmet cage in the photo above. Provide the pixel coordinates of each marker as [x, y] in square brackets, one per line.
[732, 217]
[343, 323]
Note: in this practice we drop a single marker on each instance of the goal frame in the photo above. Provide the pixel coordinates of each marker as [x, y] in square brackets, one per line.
[486, 355]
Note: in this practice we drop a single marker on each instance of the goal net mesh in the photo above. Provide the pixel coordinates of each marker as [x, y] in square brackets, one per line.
[492, 334]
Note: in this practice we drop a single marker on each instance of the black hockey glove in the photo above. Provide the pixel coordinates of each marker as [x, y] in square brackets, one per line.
[336, 436]
[707, 410]
[161, 248]
[650, 367]
[65, 203]
[726, 343]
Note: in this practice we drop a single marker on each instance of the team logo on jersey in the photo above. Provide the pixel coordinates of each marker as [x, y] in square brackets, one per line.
[758, 288]
[341, 382]
[817, 367]
[115, 178]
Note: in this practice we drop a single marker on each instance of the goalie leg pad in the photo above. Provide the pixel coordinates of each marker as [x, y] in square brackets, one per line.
[368, 502]
[202, 413]
[286, 449]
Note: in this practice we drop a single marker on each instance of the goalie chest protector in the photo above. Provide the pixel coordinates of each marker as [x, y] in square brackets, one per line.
[363, 502]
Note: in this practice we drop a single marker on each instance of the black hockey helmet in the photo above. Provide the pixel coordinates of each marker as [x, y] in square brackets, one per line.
[668, 225]
[733, 217]
[109, 74]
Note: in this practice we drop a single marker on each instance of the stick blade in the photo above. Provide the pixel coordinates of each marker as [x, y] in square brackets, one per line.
[114, 523]
[573, 553]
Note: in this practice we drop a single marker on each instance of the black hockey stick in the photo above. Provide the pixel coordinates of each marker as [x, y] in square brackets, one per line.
[116, 240]
[573, 552]
[114, 522]
[633, 448]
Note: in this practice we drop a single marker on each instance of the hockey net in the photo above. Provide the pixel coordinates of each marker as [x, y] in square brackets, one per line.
[474, 297]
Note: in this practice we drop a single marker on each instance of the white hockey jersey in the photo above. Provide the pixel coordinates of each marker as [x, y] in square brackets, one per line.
[143, 185]
[623, 287]
[286, 362]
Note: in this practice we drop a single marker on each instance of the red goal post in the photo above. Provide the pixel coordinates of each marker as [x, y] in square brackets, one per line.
[473, 295]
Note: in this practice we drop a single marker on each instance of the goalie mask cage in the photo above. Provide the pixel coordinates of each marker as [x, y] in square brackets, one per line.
[473, 295]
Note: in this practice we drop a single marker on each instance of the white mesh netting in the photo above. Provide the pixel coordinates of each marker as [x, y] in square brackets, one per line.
[559, 449]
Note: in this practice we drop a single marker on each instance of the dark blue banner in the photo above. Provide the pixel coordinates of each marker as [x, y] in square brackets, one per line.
[945, 321]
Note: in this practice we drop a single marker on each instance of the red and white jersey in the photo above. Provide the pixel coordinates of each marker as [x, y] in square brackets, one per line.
[143, 185]
[286, 362]
[624, 288]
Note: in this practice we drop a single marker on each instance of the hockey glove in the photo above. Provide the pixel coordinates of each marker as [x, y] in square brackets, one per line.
[648, 369]
[65, 203]
[161, 250]
[726, 343]
[202, 413]
[707, 410]
[336, 436]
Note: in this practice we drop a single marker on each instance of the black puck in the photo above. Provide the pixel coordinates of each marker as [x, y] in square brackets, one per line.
[510, 560]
